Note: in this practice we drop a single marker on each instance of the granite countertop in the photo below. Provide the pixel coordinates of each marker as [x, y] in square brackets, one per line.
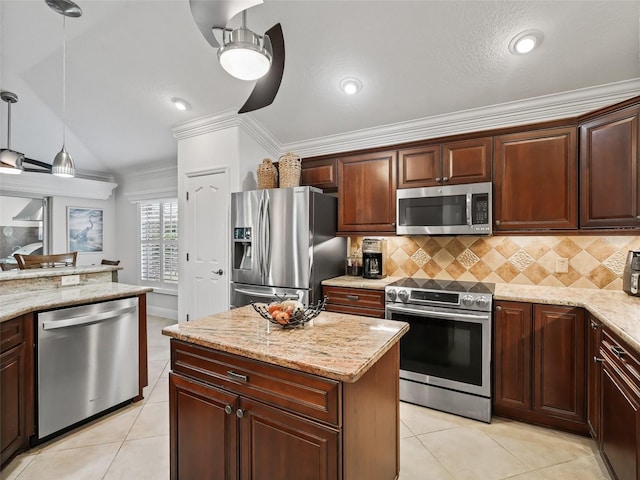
[15, 304]
[17, 274]
[333, 345]
[613, 308]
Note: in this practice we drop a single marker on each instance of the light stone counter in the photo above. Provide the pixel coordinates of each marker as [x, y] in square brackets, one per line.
[337, 346]
[15, 304]
[36, 273]
[359, 282]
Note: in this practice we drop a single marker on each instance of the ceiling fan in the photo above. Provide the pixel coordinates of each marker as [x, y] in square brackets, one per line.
[11, 161]
[238, 46]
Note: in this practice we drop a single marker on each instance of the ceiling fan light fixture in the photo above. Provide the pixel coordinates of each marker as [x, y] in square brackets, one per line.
[525, 42]
[246, 56]
[63, 165]
[10, 162]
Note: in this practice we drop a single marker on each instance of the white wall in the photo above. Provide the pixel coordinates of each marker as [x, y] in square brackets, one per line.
[146, 183]
[59, 227]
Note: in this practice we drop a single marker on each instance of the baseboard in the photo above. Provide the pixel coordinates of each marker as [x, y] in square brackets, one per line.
[163, 312]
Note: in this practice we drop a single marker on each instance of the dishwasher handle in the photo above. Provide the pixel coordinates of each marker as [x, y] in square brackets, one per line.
[87, 319]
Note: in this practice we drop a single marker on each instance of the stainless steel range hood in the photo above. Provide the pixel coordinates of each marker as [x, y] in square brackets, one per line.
[33, 211]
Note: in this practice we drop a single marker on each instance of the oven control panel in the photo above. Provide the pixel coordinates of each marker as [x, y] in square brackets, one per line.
[439, 298]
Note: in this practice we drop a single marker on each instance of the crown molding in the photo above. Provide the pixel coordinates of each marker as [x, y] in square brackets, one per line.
[544, 108]
[152, 194]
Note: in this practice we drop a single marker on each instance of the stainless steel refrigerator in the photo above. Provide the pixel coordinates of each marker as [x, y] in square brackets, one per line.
[284, 242]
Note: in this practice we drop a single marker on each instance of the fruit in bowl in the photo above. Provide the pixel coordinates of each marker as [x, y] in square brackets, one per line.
[282, 312]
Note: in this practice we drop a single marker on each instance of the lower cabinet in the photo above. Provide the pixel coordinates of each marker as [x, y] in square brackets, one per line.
[237, 418]
[355, 301]
[620, 407]
[539, 364]
[594, 377]
[17, 407]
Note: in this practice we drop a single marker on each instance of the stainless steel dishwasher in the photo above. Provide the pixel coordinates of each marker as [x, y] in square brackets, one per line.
[87, 362]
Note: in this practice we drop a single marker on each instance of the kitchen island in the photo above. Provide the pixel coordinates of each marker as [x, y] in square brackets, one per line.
[249, 399]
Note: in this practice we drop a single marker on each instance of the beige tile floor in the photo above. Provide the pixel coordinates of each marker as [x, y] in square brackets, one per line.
[133, 443]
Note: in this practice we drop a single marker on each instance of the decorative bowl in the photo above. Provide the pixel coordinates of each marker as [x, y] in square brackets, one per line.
[296, 319]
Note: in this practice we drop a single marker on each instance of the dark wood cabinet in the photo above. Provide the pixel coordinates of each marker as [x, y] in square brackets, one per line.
[463, 161]
[236, 418]
[17, 404]
[536, 180]
[620, 404]
[610, 170]
[355, 301]
[539, 364]
[320, 173]
[594, 372]
[367, 193]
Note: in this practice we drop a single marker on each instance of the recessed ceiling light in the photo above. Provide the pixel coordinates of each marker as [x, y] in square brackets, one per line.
[180, 104]
[350, 86]
[525, 42]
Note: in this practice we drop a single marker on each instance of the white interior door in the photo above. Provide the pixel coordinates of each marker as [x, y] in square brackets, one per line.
[207, 241]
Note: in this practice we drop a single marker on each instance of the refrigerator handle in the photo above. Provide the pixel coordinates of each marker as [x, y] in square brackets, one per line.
[258, 252]
[267, 235]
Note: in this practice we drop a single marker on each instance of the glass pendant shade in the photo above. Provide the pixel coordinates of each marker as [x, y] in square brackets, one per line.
[63, 164]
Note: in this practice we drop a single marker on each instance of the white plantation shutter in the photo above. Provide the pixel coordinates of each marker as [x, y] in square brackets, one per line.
[159, 243]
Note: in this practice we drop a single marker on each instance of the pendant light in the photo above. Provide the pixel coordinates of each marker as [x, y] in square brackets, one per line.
[63, 163]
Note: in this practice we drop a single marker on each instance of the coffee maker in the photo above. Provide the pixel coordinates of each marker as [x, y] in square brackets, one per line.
[374, 256]
[631, 275]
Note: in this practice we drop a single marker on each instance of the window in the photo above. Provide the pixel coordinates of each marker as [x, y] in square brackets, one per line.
[159, 244]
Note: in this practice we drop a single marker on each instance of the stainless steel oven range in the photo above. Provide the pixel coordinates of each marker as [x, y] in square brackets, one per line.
[445, 357]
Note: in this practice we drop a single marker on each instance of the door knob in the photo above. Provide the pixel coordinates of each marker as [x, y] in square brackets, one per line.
[218, 272]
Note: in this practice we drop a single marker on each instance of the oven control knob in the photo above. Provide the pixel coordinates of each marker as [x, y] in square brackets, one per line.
[482, 302]
[391, 295]
[467, 300]
[403, 296]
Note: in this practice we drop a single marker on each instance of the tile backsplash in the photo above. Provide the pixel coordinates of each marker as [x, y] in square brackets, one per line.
[594, 261]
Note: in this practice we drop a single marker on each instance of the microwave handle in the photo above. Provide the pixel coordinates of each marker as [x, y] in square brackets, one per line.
[469, 219]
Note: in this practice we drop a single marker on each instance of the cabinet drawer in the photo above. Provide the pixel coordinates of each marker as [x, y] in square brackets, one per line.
[12, 332]
[622, 357]
[351, 310]
[356, 297]
[309, 395]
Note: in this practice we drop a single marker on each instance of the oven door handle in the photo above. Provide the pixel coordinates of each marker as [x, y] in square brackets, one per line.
[432, 313]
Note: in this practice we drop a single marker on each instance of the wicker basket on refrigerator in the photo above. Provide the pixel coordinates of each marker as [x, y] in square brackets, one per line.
[290, 167]
[267, 174]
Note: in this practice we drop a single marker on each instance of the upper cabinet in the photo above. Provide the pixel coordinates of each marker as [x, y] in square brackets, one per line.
[536, 180]
[321, 173]
[464, 161]
[610, 175]
[367, 193]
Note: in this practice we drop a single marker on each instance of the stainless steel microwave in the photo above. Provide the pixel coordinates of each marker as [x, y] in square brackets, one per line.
[444, 210]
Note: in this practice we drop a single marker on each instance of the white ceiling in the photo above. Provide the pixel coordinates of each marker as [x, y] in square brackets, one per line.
[416, 59]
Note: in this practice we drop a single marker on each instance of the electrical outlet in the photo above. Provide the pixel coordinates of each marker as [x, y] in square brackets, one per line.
[70, 280]
[562, 265]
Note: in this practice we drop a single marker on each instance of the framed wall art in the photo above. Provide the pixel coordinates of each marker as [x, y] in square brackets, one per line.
[85, 229]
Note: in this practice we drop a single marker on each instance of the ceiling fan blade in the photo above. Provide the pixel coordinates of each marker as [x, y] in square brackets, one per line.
[266, 88]
[210, 14]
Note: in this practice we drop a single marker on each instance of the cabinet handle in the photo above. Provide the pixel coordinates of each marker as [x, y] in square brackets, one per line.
[618, 351]
[445, 179]
[498, 308]
[239, 413]
[594, 325]
[438, 179]
[228, 409]
[597, 360]
[355, 298]
[497, 222]
[236, 376]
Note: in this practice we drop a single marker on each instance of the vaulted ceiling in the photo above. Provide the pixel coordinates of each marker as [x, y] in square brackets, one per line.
[416, 59]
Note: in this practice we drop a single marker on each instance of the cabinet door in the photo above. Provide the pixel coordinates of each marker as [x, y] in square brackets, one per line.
[367, 193]
[559, 362]
[467, 161]
[279, 445]
[512, 356]
[203, 434]
[321, 173]
[609, 163]
[419, 167]
[536, 180]
[17, 406]
[593, 377]
[620, 424]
